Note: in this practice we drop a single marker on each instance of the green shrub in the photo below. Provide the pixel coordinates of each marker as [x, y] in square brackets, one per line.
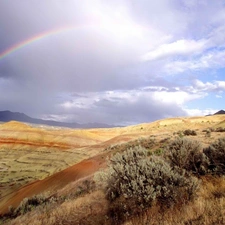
[216, 155]
[158, 151]
[187, 154]
[136, 182]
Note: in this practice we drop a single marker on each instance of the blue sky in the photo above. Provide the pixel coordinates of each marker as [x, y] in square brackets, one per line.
[116, 61]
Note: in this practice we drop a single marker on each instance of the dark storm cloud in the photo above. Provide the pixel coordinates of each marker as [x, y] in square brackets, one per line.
[123, 109]
[83, 59]
[80, 60]
[4, 69]
[144, 109]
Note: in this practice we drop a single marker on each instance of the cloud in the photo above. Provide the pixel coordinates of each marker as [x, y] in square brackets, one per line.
[216, 86]
[140, 105]
[180, 47]
[210, 60]
[124, 62]
[199, 112]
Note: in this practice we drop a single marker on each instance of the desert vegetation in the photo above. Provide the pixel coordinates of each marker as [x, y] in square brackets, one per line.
[183, 185]
[187, 154]
[156, 176]
[136, 182]
[216, 156]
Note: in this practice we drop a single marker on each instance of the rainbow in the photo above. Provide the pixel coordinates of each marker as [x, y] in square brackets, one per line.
[33, 39]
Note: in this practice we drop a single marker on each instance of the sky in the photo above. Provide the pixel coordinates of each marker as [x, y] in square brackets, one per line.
[118, 62]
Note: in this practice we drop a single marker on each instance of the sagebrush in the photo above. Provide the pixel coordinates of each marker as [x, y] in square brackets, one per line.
[136, 182]
[187, 154]
[216, 155]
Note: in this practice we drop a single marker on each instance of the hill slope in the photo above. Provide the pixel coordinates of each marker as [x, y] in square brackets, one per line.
[91, 146]
[71, 174]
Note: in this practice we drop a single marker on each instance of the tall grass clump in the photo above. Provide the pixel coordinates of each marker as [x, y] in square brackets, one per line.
[136, 182]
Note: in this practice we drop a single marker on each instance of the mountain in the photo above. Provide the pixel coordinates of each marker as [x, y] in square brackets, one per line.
[6, 116]
[219, 112]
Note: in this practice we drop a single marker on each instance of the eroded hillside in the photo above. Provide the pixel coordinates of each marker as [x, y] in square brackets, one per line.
[37, 159]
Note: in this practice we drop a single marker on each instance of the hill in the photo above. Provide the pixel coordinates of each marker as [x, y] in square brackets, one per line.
[6, 116]
[220, 112]
[36, 160]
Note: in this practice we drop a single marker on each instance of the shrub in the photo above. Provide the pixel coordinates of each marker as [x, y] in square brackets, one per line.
[136, 182]
[164, 140]
[216, 154]
[29, 203]
[158, 151]
[26, 205]
[220, 129]
[209, 129]
[189, 132]
[180, 133]
[208, 133]
[187, 154]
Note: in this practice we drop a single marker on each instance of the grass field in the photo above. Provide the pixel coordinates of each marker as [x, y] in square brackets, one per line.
[20, 167]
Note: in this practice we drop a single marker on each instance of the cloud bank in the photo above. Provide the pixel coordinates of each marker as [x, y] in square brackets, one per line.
[120, 62]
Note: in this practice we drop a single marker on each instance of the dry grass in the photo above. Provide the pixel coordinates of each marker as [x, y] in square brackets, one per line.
[91, 209]
[207, 209]
[87, 210]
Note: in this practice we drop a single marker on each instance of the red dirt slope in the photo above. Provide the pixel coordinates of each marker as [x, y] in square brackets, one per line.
[52, 183]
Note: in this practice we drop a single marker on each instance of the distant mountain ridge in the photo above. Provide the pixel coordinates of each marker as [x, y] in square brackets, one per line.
[6, 116]
[219, 112]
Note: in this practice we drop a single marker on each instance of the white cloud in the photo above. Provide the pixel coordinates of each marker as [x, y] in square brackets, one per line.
[179, 47]
[212, 60]
[220, 84]
[178, 97]
[200, 112]
[209, 86]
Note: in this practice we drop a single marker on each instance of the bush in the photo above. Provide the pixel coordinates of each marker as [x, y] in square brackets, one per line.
[187, 154]
[216, 154]
[26, 205]
[209, 129]
[208, 133]
[136, 182]
[180, 133]
[220, 129]
[30, 203]
[189, 132]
